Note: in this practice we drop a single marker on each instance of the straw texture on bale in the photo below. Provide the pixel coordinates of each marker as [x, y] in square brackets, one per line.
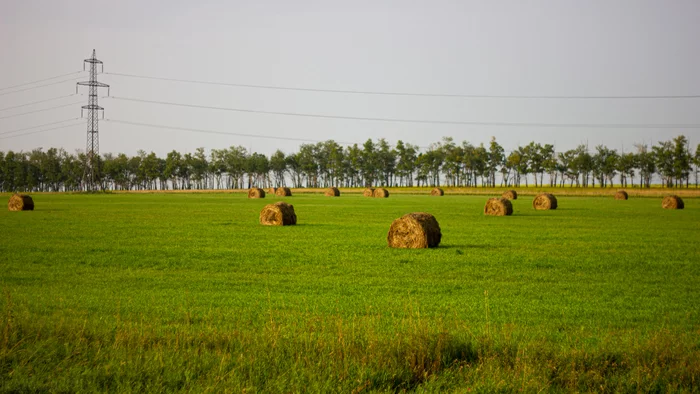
[544, 201]
[621, 195]
[256, 193]
[283, 191]
[381, 193]
[20, 202]
[672, 202]
[437, 192]
[278, 214]
[498, 207]
[510, 194]
[369, 192]
[272, 190]
[332, 192]
[414, 231]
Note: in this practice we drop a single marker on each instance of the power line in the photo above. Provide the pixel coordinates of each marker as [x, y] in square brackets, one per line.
[217, 132]
[40, 86]
[41, 80]
[37, 102]
[418, 121]
[36, 127]
[380, 93]
[39, 110]
[41, 131]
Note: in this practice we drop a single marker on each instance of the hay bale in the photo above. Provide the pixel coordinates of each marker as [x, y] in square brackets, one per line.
[621, 195]
[498, 207]
[381, 193]
[544, 201]
[278, 214]
[283, 191]
[20, 202]
[437, 192]
[672, 202]
[414, 231]
[272, 190]
[510, 194]
[332, 192]
[369, 192]
[256, 193]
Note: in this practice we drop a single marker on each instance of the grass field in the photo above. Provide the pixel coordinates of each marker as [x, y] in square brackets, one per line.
[168, 292]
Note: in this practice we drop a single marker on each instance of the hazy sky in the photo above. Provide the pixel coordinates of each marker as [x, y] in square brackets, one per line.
[535, 48]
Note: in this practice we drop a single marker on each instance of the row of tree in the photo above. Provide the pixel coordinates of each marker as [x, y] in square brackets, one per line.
[377, 163]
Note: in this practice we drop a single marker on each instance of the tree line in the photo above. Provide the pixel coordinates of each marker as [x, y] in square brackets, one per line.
[374, 163]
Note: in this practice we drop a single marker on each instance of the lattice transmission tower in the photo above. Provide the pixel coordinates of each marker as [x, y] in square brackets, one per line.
[92, 150]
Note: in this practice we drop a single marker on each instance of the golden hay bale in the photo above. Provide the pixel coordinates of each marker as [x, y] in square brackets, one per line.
[283, 191]
[414, 231]
[369, 192]
[498, 207]
[332, 192]
[272, 190]
[381, 193]
[278, 214]
[510, 194]
[20, 202]
[672, 202]
[256, 193]
[544, 201]
[437, 192]
[621, 195]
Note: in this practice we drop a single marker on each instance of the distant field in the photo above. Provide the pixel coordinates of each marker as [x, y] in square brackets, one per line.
[186, 291]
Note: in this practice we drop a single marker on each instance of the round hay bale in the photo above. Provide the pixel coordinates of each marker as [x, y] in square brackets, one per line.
[256, 193]
[621, 195]
[672, 202]
[498, 207]
[278, 214]
[414, 231]
[272, 190]
[544, 201]
[381, 193]
[20, 202]
[332, 192]
[437, 192]
[369, 192]
[283, 191]
[510, 194]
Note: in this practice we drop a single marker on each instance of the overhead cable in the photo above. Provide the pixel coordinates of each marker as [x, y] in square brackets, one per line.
[37, 102]
[41, 131]
[36, 127]
[216, 132]
[447, 95]
[40, 86]
[419, 121]
[41, 80]
[40, 110]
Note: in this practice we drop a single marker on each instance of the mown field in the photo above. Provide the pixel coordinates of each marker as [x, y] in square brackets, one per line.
[170, 292]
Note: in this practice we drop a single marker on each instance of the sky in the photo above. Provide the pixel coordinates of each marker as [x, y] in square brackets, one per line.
[463, 48]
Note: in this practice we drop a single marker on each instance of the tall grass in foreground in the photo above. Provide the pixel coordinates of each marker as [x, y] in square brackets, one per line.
[308, 353]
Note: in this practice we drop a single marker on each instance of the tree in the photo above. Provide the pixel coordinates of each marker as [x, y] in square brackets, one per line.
[696, 161]
[496, 159]
[368, 163]
[646, 163]
[626, 165]
[173, 162]
[681, 161]
[663, 158]
[386, 162]
[278, 166]
[605, 165]
[406, 165]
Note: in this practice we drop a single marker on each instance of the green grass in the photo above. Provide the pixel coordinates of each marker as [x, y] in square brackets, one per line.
[153, 292]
